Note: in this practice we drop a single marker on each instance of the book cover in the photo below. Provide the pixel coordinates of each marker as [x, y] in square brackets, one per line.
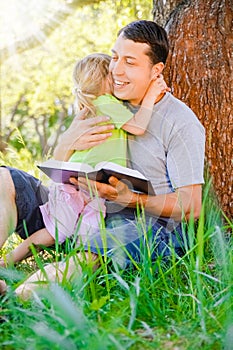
[60, 172]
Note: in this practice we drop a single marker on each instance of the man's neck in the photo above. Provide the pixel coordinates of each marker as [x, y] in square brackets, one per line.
[156, 101]
[135, 108]
[159, 97]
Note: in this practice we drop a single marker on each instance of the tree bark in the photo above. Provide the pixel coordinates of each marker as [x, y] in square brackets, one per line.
[200, 72]
[162, 10]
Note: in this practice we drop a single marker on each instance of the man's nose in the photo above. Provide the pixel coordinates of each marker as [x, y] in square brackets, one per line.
[118, 68]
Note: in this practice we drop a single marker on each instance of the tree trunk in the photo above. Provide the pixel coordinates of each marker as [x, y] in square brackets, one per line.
[199, 71]
[162, 9]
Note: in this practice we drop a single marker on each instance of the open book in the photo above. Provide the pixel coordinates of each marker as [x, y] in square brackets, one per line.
[60, 171]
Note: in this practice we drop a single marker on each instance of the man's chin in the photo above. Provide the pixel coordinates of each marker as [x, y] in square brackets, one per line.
[120, 96]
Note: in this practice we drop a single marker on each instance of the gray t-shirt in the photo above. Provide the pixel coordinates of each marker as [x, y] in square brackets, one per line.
[171, 152]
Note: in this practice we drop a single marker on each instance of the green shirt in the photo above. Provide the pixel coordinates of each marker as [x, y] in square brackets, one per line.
[114, 149]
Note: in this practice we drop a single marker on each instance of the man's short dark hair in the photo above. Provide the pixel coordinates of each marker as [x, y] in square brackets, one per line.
[150, 33]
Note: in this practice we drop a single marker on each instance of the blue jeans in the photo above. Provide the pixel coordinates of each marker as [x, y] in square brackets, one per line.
[128, 236]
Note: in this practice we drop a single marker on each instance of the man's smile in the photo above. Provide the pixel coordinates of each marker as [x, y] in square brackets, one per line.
[119, 83]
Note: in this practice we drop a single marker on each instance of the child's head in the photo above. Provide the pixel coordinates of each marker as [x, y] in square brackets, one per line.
[91, 79]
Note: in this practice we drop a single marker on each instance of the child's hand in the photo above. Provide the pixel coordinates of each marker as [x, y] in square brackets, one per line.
[155, 91]
[156, 88]
[159, 85]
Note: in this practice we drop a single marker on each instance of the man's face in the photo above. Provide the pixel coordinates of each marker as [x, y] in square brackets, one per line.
[131, 70]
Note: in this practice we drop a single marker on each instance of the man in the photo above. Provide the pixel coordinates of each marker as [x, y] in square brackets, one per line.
[170, 154]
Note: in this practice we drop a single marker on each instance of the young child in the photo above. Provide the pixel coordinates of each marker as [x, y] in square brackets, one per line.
[68, 210]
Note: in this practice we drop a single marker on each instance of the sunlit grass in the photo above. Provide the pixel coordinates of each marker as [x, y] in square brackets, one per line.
[185, 303]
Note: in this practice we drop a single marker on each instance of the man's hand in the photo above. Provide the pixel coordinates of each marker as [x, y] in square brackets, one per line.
[185, 202]
[90, 133]
[116, 191]
[82, 134]
[99, 189]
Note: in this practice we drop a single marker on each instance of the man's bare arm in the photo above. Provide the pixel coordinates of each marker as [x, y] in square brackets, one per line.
[185, 201]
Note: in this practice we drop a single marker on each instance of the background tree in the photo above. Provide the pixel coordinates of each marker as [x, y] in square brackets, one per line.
[199, 70]
[36, 83]
[52, 17]
[162, 10]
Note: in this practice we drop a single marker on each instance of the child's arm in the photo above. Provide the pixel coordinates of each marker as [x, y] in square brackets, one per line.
[138, 124]
[41, 237]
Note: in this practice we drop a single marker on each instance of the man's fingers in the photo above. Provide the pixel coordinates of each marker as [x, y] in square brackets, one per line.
[82, 114]
[99, 137]
[93, 121]
[98, 119]
[92, 144]
[91, 128]
[94, 140]
[119, 185]
[74, 181]
[86, 184]
[113, 181]
[98, 129]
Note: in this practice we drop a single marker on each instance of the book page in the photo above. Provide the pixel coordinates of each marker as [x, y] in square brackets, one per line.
[57, 164]
[61, 172]
[120, 169]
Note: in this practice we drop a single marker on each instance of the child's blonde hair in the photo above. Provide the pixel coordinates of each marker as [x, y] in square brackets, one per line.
[89, 75]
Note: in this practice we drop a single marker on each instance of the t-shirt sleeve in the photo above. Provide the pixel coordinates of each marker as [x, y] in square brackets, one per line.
[185, 156]
[110, 106]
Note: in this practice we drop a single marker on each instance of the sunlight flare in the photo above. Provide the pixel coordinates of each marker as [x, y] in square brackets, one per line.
[24, 23]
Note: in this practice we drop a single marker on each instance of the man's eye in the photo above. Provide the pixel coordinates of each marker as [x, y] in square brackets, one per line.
[114, 58]
[130, 63]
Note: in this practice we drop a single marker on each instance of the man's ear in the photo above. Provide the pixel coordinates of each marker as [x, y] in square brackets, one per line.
[157, 70]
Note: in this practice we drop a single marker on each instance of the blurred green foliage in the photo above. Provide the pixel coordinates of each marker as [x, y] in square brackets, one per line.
[36, 85]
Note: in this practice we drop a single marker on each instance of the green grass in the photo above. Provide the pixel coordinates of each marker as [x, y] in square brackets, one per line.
[185, 303]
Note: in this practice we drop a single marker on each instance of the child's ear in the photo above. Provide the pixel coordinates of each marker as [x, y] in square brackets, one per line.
[157, 70]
